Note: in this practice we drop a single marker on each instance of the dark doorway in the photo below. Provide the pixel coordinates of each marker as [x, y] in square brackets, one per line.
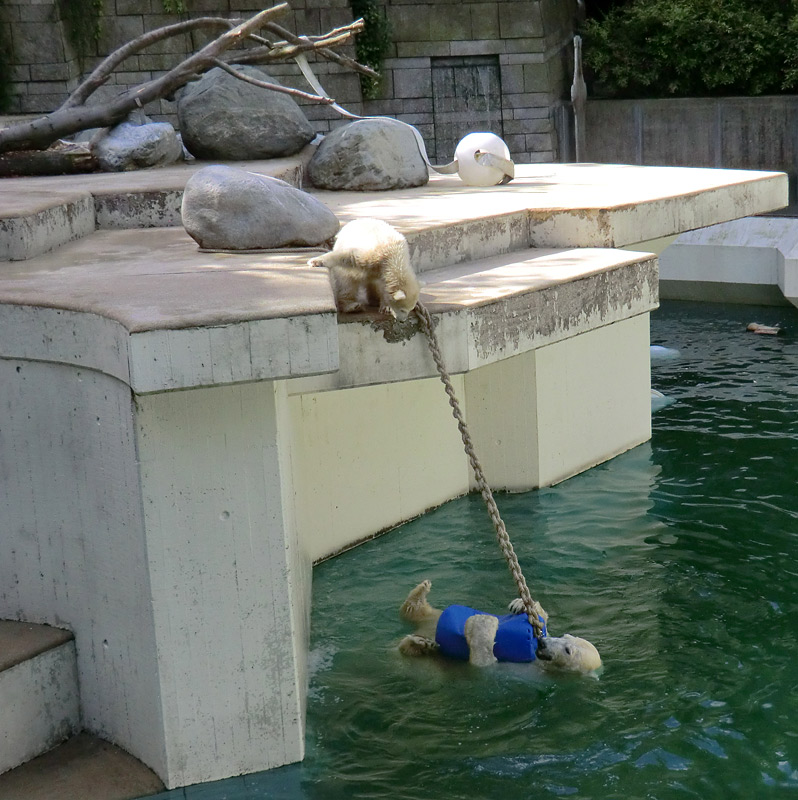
[466, 97]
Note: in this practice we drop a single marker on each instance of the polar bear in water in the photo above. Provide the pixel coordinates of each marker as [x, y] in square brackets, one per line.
[370, 266]
[482, 639]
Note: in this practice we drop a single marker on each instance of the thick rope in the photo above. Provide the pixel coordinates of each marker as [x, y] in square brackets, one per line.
[532, 607]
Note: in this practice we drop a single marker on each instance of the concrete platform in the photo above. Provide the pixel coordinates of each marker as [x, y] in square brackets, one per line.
[547, 205]
[83, 768]
[193, 430]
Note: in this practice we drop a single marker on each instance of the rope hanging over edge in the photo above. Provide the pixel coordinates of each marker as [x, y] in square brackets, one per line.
[532, 607]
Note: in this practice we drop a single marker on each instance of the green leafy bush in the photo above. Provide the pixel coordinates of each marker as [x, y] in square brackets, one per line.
[372, 44]
[681, 48]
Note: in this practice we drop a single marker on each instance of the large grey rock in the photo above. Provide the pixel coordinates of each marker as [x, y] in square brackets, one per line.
[226, 208]
[369, 155]
[222, 117]
[130, 145]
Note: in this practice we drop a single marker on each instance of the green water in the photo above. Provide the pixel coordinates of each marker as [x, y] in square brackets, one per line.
[677, 559]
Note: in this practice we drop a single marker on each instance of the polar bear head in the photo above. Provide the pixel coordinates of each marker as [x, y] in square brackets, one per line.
[568, 653]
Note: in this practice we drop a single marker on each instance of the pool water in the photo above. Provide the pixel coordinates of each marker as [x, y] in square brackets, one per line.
[678, 559]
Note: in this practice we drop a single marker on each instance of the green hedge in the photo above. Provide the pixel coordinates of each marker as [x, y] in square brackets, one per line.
[689, 48]
[372, 44]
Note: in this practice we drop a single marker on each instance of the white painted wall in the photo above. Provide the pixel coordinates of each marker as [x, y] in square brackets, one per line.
[544, 415]
[593, 398]
[502, 406]
[369, 458]
[753, 254]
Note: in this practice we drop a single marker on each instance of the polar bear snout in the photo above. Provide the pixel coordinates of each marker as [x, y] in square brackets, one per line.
[569, 653]
[543, 652]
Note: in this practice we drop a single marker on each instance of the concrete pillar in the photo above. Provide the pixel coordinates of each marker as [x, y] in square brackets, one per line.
[159, 528]
[547, 414]
[230, 588]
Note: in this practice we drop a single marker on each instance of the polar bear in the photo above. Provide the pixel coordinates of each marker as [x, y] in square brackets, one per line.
[482, 639]
[370, 265]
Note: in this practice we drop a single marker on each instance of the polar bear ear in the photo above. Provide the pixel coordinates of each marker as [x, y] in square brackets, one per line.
[399, 295]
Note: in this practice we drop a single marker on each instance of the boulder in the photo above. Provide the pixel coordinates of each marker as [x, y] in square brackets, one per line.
[369, 155]
[133, 145]
[225, 208]
[222, 117]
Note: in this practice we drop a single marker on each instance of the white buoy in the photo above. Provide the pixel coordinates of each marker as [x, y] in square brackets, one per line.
[483, 159]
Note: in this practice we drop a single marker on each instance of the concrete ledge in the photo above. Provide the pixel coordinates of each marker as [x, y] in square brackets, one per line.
[493, 309]
[56, 221]
[152, 323]
[547, 205]
[572, 205]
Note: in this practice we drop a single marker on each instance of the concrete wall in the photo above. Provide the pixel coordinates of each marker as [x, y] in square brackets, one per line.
[524, 48]
[730, 132]
[536, 418]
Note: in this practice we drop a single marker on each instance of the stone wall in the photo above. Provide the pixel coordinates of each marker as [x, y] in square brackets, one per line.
[453, 67]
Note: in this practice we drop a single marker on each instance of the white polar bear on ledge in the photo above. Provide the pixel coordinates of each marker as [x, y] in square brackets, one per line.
[482, 639]
[370, 266]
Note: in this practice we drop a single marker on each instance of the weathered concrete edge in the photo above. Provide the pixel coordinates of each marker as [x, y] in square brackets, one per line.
[471, 337]
[31, 639]
[264, 349]
[170, 359]
[520, 323]
[33, 234]
[75, 338]
[469, 240]
[620, 226]
[41, 713]
[150, 209]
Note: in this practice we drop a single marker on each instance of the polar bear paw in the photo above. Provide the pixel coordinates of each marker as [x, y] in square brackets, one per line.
[415, 645]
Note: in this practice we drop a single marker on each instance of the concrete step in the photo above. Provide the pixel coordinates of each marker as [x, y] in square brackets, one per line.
[40, 214]
[39, 705]
[82, 768]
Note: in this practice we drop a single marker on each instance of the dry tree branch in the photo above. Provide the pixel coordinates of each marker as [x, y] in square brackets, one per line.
[103, 71]
[330, 55]
[74, 115]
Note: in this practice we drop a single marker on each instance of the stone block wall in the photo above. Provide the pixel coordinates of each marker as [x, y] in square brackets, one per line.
[452, 67]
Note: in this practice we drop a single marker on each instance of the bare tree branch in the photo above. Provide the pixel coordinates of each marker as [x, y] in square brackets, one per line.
[282, 51]
[330, 55]
[74, 115]
[103, 71]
